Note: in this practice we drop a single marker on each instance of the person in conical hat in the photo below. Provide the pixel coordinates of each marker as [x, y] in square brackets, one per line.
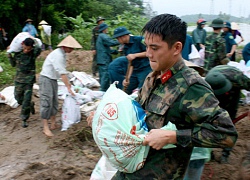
[43, 23]
[45, 33]
[30, 28]
[235, 32]
[54, 67]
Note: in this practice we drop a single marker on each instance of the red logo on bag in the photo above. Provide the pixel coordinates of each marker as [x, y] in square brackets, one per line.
[110, 111]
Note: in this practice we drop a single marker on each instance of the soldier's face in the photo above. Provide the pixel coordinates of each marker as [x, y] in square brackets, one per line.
[26, 49]
[160, 55]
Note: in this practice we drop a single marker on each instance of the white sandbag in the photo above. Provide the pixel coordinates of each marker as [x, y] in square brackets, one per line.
[16, 43]
[47, 29]
[70, 111]
[119, 129]
[10, 100]
[103, 170]
[81, 78]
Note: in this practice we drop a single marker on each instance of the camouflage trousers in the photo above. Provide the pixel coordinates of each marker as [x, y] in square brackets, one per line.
[23, 95]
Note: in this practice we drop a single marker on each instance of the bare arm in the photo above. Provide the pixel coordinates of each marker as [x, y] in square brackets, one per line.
[67, 84]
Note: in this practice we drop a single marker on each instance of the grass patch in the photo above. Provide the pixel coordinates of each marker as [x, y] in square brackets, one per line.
[8, 74]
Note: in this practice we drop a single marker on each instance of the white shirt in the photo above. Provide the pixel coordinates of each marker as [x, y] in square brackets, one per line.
[55, 64]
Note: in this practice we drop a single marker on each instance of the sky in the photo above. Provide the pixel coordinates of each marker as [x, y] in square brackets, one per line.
[238, 8]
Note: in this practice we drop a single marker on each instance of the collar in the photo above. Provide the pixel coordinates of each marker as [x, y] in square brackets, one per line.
[173, 70]
[166, 76]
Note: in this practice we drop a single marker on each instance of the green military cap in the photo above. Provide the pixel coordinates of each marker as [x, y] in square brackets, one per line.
[102, 27]
[99, 19]
[217, 23]
[227, 25]
[219, 83]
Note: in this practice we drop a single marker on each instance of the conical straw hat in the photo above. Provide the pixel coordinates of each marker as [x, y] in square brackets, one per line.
[69, 41]
[43, 23]
[234, 26]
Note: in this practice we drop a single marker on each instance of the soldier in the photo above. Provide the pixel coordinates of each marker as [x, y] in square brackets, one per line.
[54, 67]
[135, 52]
[199, 34]
[230, 42]
[215, 51]
[25, 63]
[227, 83]
[95, 34]
[104, 58]
[173, 92]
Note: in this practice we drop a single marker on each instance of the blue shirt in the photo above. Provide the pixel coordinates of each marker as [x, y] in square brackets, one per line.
[30, 29]
[229, 41]
[136, 45]
[187, 47]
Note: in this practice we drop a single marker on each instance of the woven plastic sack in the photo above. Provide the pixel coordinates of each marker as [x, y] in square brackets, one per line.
[16, 43]
[70, 111]
[119, 129]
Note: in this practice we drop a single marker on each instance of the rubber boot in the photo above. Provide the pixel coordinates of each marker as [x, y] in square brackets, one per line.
[25, 124]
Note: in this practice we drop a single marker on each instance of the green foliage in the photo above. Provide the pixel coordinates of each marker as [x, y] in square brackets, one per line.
[8, 74]
[83, 30]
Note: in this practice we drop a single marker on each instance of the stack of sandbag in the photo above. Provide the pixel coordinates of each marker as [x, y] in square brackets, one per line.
[16, 43]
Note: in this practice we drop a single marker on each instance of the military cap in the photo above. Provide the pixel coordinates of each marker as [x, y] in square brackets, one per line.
[219, 83]
[227, 25]
[120, 31]
[102, 27]
[217, 23]
[99, 19]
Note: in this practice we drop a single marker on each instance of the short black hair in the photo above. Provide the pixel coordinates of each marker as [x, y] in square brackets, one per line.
[28, 42]
[170, 27]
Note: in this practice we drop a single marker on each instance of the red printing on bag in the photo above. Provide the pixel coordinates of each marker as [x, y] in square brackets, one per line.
[110, 111]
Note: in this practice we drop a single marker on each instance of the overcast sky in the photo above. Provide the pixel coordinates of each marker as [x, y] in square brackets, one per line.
[238, 8]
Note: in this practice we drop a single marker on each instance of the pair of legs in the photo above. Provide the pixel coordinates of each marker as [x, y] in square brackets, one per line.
[104, 77]
[48, 104]
[23, 95]
[94, 66]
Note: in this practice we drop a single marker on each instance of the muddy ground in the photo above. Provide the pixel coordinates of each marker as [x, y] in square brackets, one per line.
[27, 154]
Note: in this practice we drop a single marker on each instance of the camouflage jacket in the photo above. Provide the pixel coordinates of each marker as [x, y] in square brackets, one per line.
[187, 101]
[25, 65]
[230, 100]
[95, 34]
[215, 51]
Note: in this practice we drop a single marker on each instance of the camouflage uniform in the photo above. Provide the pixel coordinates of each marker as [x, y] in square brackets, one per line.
[95, 34]
[25, 77]
[187, 101]
[230, 100]
[215, 51]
